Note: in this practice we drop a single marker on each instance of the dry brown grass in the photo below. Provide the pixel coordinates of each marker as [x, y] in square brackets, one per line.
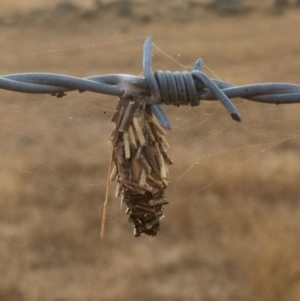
[231, 231]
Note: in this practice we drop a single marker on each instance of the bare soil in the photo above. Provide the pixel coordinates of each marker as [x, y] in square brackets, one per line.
[231, 230]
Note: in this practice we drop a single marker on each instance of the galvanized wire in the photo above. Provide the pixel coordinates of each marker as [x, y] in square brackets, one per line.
[161, 87]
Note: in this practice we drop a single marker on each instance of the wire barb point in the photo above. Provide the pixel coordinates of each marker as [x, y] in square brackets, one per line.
[236, 117]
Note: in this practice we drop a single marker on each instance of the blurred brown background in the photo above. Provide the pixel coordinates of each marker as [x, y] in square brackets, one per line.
[231, 230]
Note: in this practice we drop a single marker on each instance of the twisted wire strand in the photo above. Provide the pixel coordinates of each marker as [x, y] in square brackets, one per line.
[163, 87]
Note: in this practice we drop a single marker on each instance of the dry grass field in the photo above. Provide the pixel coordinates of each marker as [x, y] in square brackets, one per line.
[231, 230]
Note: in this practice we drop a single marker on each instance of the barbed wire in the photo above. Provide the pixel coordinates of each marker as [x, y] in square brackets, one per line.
[161, 87]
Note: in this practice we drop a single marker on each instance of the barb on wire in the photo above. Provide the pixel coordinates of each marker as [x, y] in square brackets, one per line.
[161, 87]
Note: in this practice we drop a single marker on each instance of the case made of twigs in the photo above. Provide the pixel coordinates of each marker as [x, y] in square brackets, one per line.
[140, 164]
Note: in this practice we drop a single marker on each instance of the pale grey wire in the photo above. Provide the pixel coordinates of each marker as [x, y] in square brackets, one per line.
[153, 85]
[163, 87]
